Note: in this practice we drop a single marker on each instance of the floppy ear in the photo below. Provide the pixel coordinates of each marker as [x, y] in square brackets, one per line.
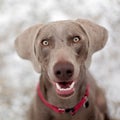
[97, 35]
[24, 45]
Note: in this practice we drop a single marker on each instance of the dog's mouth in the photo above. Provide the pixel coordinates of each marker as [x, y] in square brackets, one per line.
[65, 89]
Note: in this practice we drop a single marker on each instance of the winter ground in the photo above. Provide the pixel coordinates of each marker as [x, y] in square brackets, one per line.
[17, 77]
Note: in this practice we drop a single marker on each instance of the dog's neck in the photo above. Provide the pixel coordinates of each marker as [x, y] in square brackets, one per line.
[50, 95]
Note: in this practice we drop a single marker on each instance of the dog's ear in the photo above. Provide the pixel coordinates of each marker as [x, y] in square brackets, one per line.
[24, 45]
[96, 34]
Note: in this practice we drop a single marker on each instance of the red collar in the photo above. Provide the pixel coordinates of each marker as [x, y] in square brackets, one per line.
[83, 103]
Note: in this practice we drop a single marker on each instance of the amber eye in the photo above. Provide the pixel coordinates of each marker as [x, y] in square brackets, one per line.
[76, 39]
[45, 43]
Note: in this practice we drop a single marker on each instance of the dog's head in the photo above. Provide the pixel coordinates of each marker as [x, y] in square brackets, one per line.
[62, 51]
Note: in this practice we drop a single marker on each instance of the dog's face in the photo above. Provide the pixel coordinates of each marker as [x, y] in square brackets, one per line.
[62, 50]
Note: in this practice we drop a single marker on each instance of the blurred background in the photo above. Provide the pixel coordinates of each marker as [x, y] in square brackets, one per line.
[18, 79]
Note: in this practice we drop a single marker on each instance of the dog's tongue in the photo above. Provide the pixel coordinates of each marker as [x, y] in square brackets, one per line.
[64, 84]
[65, 88]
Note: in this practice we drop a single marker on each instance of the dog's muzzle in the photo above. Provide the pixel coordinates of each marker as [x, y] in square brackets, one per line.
[63, 72]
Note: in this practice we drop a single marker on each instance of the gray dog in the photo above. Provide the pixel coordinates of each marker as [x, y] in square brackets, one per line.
[61, 51]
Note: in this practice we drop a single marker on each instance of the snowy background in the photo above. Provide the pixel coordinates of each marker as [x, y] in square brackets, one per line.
[17, 77]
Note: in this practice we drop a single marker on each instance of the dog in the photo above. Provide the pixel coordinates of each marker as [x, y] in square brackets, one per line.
[61, 52]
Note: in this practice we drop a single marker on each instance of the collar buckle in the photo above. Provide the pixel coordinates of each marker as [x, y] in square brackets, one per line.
[69, 110]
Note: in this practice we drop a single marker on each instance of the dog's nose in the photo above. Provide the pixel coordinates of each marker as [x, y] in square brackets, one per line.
[63, 70]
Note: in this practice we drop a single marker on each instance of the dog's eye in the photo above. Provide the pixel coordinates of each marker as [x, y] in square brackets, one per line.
[76, 39]
[45, 43]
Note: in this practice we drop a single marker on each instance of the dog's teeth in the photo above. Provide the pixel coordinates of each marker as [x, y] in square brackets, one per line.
[63, 89]
[58, 87]
[72, 85]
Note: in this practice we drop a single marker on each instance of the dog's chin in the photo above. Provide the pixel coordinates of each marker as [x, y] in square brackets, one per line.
[65, 90]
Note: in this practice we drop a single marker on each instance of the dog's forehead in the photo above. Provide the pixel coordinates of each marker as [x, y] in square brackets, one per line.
[60, 28]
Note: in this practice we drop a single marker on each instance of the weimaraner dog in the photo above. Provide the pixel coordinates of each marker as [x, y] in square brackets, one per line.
[61, 52]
